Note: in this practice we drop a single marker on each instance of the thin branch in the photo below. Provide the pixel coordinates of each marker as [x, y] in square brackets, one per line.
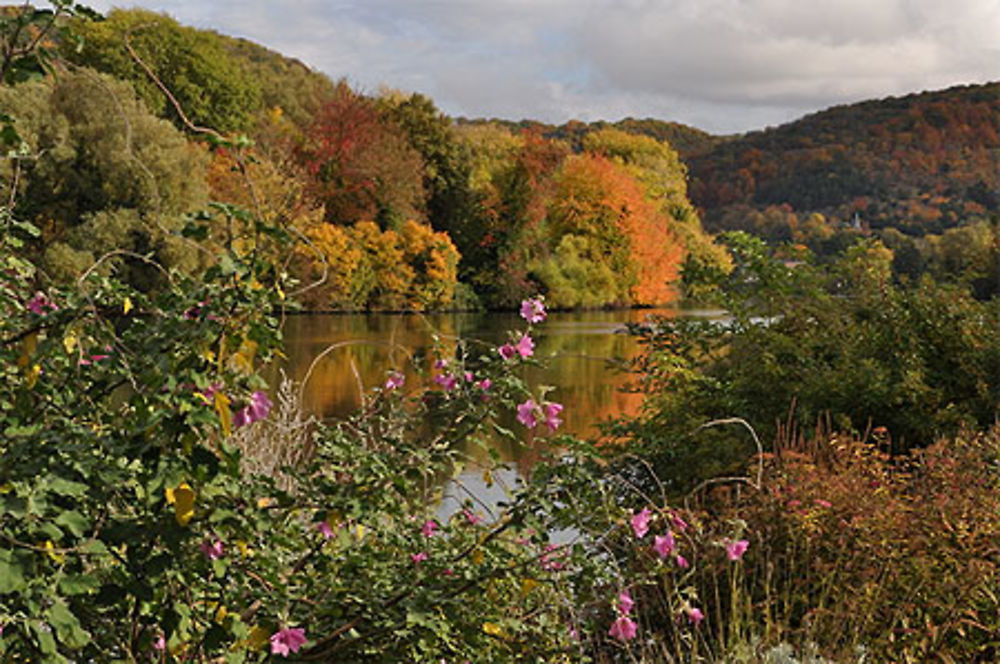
[123, 252]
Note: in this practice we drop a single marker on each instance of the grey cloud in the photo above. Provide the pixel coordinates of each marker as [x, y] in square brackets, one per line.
[723, 65]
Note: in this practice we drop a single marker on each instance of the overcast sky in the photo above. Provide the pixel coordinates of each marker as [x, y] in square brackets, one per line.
[721, 65]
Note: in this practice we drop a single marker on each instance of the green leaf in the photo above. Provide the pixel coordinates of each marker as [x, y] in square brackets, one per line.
[46, 642]
[226, 265]
[64, 487]
[50, 531]
[67, 627]
[78, 584]
[94, 548]
[73, 521]
[12, 569]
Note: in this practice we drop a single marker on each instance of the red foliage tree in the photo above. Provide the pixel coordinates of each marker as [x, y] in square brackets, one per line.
[359, 165]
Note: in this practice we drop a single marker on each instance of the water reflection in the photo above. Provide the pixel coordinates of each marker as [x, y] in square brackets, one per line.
[345, 355]
[342, 356]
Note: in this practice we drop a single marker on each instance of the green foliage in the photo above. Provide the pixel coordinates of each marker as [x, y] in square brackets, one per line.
[130, 519]
[100, 173]
[576, 274]
[27, 34]
[284, 83]
[803, 345]
[453, 205]
[213, 87]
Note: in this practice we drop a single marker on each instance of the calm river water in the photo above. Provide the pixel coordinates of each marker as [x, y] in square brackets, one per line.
[583, 350]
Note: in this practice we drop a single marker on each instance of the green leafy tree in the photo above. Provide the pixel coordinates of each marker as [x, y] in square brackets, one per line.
[452, 203]
[841, 344]
[99, 173]
[213, 87]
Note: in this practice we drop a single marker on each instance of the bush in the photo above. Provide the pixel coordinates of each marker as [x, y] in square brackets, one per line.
[805, 344]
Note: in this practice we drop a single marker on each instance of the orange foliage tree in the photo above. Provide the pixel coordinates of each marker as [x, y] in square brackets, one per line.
[600, 222]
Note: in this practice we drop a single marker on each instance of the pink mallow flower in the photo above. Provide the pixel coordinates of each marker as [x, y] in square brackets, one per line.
[623, 629]
[429, 529]
[324, 528]
[695, 616]
[39, 303]
[735, 550]
[533, 310]
[551, 412]
[664, 545]
[447, 381]
[507, 351]
[640, 522]
[256, 410]
[87, 361]
[525, 347]
[485, 384]
[418, 558]
[471, 517]
[625, 603]
[679, 523]
[550, 560]
[682, 562]
[213, 549]
[527, 413]
[395, 381]
[287, 640]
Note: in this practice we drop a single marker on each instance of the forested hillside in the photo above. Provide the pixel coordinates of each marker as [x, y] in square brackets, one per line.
[397, 206]
[914, 170]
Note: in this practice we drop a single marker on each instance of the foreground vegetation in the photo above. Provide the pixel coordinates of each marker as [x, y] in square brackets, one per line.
[815, 480]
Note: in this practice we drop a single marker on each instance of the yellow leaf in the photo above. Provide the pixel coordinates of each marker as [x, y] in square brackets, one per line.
[359, 531]
[27, 350]
[242, 360]
[259, 638]
[493, 629]
[527, 585]
[221, 614]
[478, 557]
[69, 341]
[225, 416]
[127, 305]
[50, 551]
[32, 376]
[488, 477]
[264, 503]
[245, 551]
[222, 352]
[182, 498]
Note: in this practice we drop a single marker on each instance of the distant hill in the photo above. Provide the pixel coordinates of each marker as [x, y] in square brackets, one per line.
[687, 141]
[921, 163]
